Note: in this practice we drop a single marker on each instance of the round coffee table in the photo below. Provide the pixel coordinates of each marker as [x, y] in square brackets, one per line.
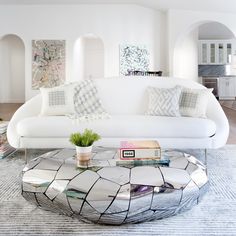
[108, 194]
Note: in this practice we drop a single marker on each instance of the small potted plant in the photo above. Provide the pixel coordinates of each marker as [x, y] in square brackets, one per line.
[84, 143]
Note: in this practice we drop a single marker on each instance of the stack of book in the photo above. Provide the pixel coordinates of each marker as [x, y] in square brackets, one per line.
[5, 148]
[140, 153]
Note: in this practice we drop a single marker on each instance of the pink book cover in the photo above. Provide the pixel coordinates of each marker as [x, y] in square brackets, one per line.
[135, 145]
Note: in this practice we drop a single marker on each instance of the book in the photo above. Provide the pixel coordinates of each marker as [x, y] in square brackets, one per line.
[134, 150]
[133, 163]
[3, 127]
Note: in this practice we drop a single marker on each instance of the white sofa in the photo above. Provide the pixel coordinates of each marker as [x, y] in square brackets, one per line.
[126, 100]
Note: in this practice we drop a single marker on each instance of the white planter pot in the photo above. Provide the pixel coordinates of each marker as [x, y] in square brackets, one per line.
[84, 153]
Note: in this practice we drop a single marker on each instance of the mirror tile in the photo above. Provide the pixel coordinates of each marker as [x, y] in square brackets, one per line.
[119, 175]
[90, 213]
[141, 199]
[56, 187]
[62, 203]
[190, 196]
[175, 177]
[49, 164]
[146, 175]
[113, 219]
[30, 197]
[165, 198]
[102, 194]
[81, 184]
[67, 171]
[179, 163]
[140, 217]
[199, 176]
[37, 180]
[121, 202]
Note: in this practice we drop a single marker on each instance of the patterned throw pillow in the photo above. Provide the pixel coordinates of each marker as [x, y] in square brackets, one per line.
[164, 101]
[87, 103]
[57, 101]
[193, 102]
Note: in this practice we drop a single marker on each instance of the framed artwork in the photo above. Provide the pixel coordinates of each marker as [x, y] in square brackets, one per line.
[133, 57]
[48, 63]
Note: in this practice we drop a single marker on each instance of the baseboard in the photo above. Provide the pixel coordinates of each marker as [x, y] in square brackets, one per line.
[12, 101]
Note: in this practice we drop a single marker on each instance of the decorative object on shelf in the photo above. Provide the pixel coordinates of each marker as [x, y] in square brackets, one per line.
[48, 63]
[5, 148]
[84, 143]
[133, 57]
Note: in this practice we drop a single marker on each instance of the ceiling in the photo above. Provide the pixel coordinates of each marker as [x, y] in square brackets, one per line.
[195, 5]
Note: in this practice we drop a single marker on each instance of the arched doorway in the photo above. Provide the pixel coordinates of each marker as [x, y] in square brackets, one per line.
[186, 52]
[88, 58]
[12, 69]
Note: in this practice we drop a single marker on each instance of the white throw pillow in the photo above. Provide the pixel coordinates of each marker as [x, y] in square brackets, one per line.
[58, 100]
[193, 102]
[86, 99]
[164, 101]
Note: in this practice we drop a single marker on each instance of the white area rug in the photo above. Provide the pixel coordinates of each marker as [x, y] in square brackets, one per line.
[215, 215]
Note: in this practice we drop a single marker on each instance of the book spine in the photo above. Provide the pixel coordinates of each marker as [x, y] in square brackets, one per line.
[140, 153]
[142, 162]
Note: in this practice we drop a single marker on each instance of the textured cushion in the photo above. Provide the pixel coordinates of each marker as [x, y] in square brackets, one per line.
[131, 126]
[57, 100]
[193, 102]
[164, 101]
[86, 99]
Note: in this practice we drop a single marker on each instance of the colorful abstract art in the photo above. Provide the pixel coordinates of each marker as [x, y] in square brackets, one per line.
[48, 63]
[133, 57]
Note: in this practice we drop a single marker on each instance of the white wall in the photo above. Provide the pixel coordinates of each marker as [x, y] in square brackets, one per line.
[12, 66]
[214, 30]
[114, 24]
[89, 58]
[186, 57]
[181, 22]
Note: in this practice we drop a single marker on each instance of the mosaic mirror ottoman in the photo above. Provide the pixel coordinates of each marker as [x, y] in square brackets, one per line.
[108, 194]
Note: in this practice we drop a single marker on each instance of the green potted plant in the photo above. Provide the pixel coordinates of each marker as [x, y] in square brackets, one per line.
[84, 143]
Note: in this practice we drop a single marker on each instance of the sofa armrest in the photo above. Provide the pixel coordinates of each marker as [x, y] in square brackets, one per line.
[216, 113]
[30, 108]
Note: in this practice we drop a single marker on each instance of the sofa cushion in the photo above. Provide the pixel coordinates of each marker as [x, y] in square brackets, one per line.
[131, 126]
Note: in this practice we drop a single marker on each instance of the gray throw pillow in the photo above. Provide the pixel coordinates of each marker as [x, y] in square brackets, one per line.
[164, 101]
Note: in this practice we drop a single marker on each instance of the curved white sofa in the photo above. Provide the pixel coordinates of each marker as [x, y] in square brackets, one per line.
[125, 99]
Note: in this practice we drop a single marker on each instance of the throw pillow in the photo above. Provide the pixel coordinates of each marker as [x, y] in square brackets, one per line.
[164, 101]
[87, 103]
[193, 102]
[57, 101]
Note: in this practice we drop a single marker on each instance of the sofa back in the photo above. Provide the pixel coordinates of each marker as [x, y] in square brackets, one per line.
[128, 95]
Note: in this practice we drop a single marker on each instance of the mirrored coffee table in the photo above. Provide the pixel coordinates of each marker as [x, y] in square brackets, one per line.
[108, 194]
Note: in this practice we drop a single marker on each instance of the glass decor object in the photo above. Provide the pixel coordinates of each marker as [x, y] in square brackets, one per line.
[212, 53]
[204, 53]
[229, 52]
[221, 53]
[105, 193]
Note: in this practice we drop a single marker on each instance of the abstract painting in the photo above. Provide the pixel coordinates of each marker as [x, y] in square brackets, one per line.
[48, 63]
[133, 57]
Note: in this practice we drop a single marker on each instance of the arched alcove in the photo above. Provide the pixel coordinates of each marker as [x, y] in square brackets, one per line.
[185, 54]
[88, 58]
[12, 69]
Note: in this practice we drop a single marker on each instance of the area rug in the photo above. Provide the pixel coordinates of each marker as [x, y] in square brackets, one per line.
[215, 215]
[231, 104]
